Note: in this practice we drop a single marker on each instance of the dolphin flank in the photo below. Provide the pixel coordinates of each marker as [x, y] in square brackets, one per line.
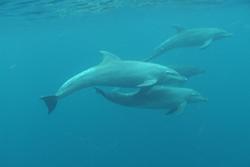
[113, 71]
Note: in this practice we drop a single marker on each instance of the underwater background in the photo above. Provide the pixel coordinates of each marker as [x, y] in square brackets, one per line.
[43, 43]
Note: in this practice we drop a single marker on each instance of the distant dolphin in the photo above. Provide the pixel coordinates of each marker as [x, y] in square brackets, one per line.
[170, 99]
[187, 71]
[113, 71]
[196, 37]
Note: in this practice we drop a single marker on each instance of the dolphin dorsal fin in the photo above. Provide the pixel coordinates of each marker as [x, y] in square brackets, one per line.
[178, 28]
[108, 57]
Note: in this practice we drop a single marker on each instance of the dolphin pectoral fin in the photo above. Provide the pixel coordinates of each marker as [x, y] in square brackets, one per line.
[147, 83]
[179, 109]
[50, 102]
[100, 91]
[206, 44]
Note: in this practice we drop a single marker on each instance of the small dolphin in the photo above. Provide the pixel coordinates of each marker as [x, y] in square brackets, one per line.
[113, 71]
[196, 37]
[170, 99]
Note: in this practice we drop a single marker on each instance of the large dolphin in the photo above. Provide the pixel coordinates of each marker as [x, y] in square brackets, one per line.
[170, 99]
[113, 71]
[195, 37]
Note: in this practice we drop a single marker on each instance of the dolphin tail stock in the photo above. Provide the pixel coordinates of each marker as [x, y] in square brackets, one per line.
[160, 50]
[150, 58]
[50, 101]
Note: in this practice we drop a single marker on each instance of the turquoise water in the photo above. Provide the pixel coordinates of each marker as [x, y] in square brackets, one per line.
[38, 53]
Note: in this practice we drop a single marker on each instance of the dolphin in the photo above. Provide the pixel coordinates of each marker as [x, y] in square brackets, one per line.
[113, 71]
[188, 71]
[195, 37]
[170, 99]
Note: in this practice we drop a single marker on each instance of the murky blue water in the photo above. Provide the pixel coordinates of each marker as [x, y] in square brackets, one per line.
[37, 54]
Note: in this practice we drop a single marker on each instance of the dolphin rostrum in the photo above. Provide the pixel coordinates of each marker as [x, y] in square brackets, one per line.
[171, 99]
[195, 37]
[113, 71]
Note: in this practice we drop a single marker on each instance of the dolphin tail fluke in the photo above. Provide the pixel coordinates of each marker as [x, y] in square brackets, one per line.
[50, 102]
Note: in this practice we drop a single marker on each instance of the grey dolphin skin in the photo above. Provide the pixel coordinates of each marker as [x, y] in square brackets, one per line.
[195, 37]
[113, 71]
[170, 99]
[187, 71]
